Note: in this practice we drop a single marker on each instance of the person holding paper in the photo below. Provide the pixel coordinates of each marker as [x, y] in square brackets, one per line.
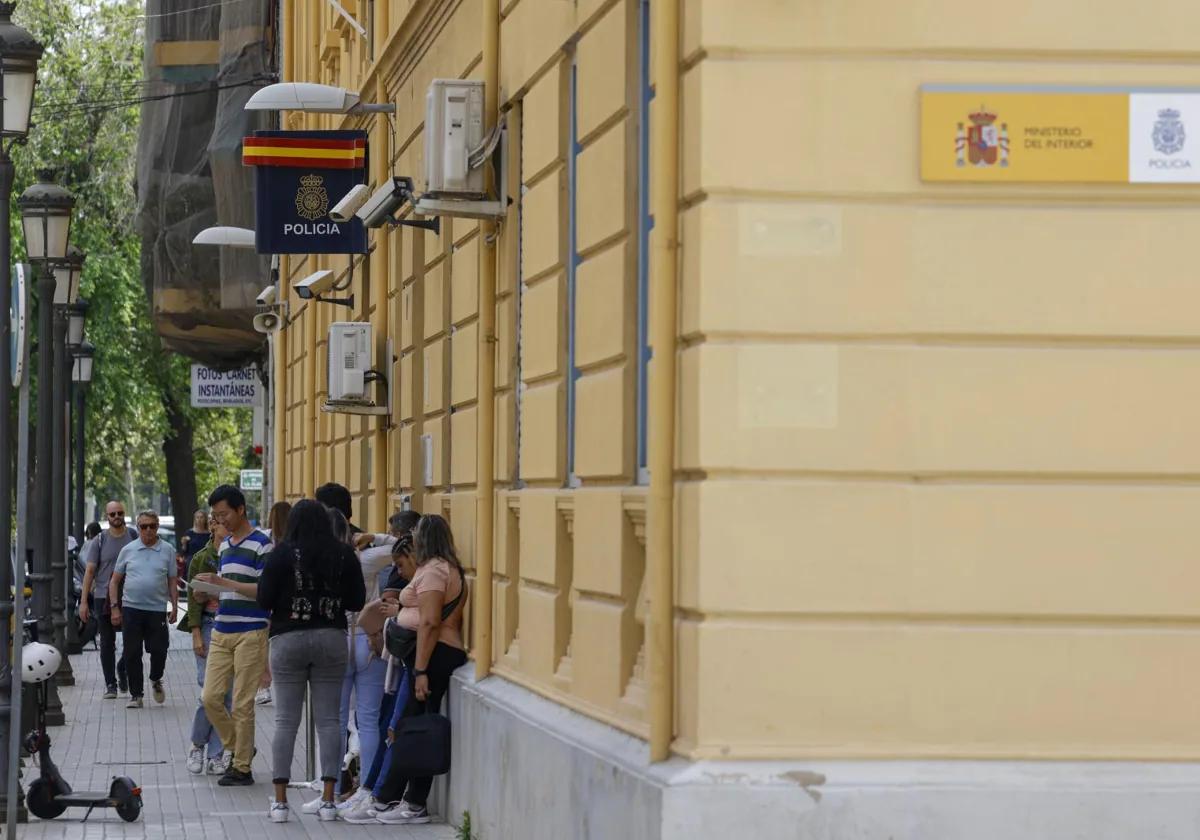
[239, 641]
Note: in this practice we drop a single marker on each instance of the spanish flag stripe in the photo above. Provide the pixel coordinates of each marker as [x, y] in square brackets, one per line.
[303, 143]
[302, 163]
[332, 154]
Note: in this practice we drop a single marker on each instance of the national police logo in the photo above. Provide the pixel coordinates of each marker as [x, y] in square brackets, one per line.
[312, 201]
[1169, 135]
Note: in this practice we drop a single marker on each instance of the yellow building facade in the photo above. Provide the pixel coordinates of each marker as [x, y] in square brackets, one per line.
[932, 441]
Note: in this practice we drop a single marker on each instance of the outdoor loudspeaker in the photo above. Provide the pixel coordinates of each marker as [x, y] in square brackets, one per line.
[268, 322]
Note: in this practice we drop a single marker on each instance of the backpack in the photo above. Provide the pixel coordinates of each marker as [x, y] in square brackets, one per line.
[106, 610]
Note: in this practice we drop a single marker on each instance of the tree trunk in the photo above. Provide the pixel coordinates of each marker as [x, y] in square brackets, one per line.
[181, 468]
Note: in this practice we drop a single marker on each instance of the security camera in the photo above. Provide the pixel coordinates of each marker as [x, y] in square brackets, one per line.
[315, 284]
[267, 296]
[268, 322]
[389, 198]
[344, 210]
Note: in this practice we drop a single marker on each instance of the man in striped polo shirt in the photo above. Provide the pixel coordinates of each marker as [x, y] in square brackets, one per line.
[239, 639]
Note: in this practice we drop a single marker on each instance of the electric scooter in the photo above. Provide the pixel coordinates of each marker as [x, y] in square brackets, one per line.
[49, 795]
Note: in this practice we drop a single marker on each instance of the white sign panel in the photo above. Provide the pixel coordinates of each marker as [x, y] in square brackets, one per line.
[1164, 138]
[251, 480]
[233, 389]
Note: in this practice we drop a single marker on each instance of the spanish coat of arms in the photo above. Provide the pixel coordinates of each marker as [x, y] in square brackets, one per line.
[983, 143]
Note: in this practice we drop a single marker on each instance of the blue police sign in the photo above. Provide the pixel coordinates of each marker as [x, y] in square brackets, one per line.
[301, 176]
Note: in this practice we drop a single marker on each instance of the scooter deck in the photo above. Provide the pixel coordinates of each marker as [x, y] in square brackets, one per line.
[88, 799]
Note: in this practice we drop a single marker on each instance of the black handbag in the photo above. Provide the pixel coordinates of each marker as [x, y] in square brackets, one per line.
[401, 642]
[422, 746]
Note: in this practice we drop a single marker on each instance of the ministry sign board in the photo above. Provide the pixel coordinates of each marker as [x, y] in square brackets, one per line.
[1060, 135]
[231, 389]
[300, 177]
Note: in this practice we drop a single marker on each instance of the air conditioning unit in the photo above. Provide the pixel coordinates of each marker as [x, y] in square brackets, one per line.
[453, 129]
[347, 362]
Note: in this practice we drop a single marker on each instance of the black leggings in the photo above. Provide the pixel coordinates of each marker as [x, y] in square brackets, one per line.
[442, 665]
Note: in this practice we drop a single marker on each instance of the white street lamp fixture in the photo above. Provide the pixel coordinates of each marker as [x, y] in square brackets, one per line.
[19, 54]
[66, 278]
[232, 237]
[84, 358]
[76, 322]
[46, 218]
[312, 99]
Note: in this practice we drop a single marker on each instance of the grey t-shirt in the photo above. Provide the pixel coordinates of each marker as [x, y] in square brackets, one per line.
[103, 554]
[147, 569]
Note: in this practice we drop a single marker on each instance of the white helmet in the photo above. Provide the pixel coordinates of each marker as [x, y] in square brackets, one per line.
[39, 662]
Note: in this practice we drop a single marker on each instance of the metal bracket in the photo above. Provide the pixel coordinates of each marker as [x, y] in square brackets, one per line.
[347, 302]
[434, 224]
[369, 409]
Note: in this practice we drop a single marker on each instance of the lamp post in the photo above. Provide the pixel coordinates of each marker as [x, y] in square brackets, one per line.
[81, 379]
[19, 55]
[46, 219]
[66, 292]
[76, 322]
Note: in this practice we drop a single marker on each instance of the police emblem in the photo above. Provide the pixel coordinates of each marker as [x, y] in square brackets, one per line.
[983, 143]
[1169, 135]
[312, 201]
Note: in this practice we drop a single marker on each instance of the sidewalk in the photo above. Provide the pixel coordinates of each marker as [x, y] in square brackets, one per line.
[102, 739]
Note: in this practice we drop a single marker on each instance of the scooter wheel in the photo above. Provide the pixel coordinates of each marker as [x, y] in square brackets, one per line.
[130, 811]
[39, 799]
[123, 791]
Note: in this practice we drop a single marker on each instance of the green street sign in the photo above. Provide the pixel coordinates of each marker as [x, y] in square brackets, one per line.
[251, 480]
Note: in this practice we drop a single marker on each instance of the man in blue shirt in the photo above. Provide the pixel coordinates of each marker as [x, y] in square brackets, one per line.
[146, 579]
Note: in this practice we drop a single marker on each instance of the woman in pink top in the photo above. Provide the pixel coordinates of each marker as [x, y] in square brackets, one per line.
[431, 604]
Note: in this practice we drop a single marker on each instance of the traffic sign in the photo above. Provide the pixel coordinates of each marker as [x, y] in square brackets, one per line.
[251, 480]
[17, 315]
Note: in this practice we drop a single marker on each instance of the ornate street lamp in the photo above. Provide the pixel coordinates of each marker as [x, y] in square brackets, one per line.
[81, 373]
[81, 379]
[66, 278]
[19, 56]
[46, 219]
[76, 321]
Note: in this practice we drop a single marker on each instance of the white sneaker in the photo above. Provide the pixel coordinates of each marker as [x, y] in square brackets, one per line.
[216, 766]
[312, 806]
[404, 814]
[280, 812]
[354, 799]
[364, 811]
[327, 812]
[195, 760]
[263, 697]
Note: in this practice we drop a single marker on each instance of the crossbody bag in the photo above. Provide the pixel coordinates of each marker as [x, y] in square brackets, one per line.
[401, 642]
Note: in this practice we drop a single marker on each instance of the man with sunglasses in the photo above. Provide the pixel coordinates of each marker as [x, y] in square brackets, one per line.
[148, 572]
[101, 560]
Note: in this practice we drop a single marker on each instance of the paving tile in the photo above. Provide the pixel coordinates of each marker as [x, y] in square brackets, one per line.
[102, 738]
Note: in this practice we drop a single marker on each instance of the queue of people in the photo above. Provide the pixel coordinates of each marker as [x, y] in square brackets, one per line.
[313, 606]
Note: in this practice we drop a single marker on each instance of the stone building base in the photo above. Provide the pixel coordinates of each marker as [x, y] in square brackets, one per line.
[527, 768]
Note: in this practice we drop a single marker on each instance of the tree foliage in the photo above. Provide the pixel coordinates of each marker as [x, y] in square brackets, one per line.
[86, 126]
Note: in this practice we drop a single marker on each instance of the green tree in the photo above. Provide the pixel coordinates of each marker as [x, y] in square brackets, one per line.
[86, 118]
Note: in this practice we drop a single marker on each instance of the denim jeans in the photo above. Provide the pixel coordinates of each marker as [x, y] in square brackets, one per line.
[393, 709]
[378, 767]
[364, 679]
[442, 664]
[307, 659]
[202, 731]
